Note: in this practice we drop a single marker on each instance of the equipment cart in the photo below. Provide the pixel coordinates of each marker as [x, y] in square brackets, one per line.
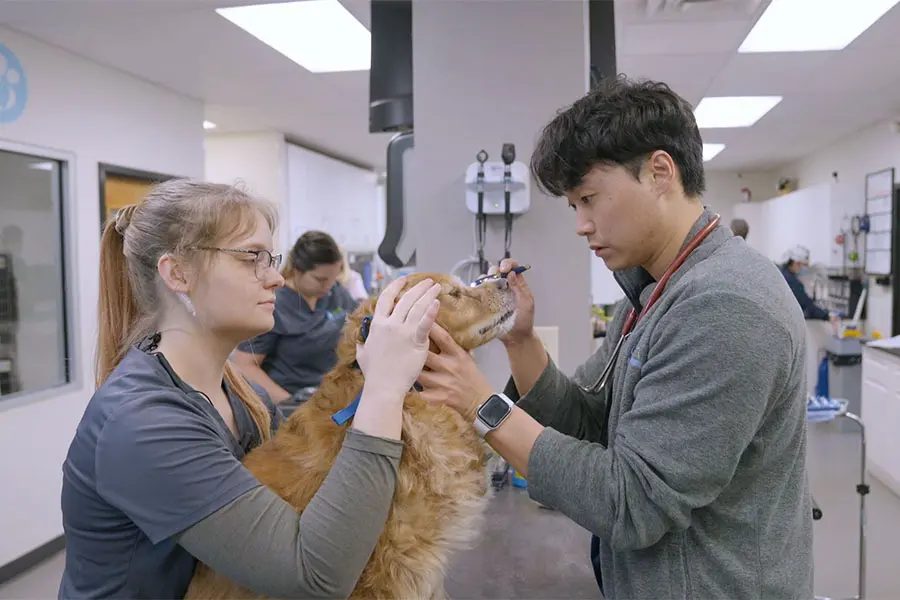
[820, 410]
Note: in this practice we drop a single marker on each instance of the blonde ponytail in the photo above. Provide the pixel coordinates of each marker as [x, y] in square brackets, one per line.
[118, 312]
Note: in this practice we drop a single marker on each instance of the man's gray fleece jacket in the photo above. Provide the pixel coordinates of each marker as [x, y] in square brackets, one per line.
[701, 491]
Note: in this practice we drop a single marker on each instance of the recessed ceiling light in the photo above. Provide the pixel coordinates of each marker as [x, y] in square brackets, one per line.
[813, 25]
[733, 111]
[711, 150]
[319, 35]
[209, 125]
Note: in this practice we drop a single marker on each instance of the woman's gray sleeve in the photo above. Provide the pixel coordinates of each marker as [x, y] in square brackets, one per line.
[262, 543]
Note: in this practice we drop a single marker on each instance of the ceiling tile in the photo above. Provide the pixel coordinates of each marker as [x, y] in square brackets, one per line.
[824, 111]
[806, 73]
[688, 75]
[882, 34]
[799, 126]
[857, 70]
[766, 74]
[827, 95]
[682, 38]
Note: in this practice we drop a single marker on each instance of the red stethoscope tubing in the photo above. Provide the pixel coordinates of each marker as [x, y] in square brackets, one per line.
[692, 244]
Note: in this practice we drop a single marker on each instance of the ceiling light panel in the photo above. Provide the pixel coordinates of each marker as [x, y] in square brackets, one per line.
[733, 111]
[209, 125]
[711, 150]
[813, 25]
[319, 35]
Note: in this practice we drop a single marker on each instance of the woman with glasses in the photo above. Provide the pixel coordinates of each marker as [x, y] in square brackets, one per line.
[290, 360]
[153, 481]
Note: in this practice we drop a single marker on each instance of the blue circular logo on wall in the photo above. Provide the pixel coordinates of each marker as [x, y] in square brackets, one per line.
[13, 86]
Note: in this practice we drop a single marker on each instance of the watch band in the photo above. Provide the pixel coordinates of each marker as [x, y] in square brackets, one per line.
[491, 413]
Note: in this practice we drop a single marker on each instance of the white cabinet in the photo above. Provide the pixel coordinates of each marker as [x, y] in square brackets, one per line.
[810, 217]
[881, 414]
[331, 195]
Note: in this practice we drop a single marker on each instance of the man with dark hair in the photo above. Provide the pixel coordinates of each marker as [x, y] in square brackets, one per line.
[686, 457]
[740, 228]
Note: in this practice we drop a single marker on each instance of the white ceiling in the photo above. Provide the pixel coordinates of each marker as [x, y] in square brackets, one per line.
[185, 46]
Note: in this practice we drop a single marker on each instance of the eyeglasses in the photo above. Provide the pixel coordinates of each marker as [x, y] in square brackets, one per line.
[263, 258]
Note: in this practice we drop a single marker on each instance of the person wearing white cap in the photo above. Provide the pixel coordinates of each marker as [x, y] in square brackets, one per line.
[795, 265]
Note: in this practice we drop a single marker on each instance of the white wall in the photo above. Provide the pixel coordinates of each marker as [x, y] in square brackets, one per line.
[96, 115]
[723, 189]
[335, 197]
[869, 150]
[257, 160]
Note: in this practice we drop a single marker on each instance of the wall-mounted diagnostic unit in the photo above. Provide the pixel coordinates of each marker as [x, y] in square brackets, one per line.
[496, 188]
[491, 182]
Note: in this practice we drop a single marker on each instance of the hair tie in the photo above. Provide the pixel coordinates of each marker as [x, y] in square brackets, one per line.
[123, 218]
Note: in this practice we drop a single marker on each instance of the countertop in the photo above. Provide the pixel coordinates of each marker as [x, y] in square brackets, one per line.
[892, 351]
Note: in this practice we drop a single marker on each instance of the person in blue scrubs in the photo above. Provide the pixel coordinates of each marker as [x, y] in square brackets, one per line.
[290, 360]
[153, 482]
[795, 265]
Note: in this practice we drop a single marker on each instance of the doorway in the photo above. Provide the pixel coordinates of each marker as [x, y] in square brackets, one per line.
[120, 187]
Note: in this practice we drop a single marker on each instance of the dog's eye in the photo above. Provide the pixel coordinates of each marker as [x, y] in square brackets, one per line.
[455, 293]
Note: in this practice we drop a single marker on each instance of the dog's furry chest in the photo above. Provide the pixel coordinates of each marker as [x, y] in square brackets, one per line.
[437, 508]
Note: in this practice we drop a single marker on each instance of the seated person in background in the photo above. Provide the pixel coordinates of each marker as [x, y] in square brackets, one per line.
[794, 267]
[740, 228]
[352, 281]
[290, 359]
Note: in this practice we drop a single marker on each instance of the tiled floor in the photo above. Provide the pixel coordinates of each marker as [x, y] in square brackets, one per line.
[532, 553]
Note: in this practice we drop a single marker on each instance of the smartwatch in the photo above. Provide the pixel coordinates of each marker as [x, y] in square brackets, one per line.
[491, 413]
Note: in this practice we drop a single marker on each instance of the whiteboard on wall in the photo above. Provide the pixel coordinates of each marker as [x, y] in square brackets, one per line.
[336, 197]
[880, 208]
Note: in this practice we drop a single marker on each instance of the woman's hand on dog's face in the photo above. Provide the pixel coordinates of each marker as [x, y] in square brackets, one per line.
[452, 377]
[396, 348]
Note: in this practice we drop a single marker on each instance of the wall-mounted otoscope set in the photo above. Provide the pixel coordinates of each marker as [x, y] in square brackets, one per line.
[495, 188]
[491, 188]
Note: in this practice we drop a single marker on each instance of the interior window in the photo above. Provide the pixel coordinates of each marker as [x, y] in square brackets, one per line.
[33, 345]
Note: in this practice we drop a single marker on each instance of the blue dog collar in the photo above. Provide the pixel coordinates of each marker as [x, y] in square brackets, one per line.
[346, 413]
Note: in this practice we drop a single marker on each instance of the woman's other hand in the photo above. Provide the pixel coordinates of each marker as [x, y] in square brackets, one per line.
[524, 325]
[394, 352]
[452, 377]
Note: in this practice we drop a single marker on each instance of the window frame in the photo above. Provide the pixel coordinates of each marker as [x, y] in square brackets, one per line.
[73, 336]
[105, 169]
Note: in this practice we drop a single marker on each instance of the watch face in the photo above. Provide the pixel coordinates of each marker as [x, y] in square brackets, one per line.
[493, 411]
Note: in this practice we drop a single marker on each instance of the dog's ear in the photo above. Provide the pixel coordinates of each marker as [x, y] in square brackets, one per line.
[365, 308]
[346, 348]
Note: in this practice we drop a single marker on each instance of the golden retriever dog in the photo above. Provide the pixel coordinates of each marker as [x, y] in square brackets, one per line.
[442, 487]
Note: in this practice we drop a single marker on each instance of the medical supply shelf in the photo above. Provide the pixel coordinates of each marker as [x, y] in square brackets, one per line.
[862, 488]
